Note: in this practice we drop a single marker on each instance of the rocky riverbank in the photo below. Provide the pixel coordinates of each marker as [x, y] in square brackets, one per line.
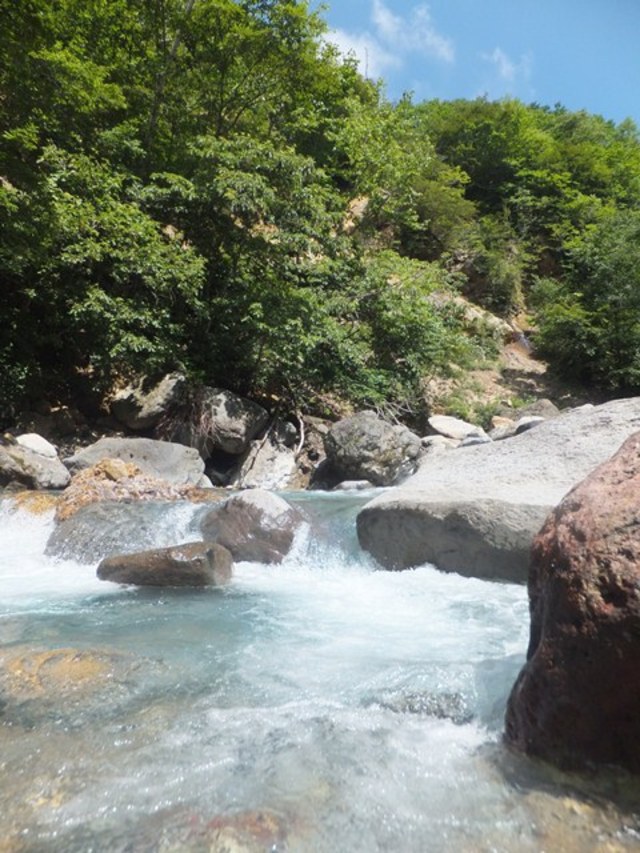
[463, 499]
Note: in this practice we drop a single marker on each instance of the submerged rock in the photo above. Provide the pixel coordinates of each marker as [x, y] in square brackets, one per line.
[109, 527]
[255, 525]
[58, 684]
[577, 700]
[443, 706]
[184, 829]
[192, 564]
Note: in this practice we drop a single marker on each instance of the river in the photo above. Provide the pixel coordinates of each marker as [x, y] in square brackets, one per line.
[318, 705]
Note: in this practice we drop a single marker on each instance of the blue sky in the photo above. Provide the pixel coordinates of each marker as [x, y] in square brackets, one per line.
[584, 54]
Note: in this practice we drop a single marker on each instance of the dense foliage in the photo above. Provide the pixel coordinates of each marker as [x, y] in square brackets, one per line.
[207, 185]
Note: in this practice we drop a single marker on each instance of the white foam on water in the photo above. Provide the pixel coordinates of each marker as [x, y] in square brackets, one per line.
[358, 704]
[27, 577]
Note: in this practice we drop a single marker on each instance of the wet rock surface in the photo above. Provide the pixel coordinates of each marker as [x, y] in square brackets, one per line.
[577, 700]
[442, 706]
[191, 564]
[63, 685]
[254, 525]
[117, 480]
[106, 528]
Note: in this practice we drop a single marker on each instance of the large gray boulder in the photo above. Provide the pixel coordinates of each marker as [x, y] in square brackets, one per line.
[255, 525]
[192, 564]
[365, 447]
[166, 460]
[29, 468]
[220, 421]
[143, 404]
[475, 510]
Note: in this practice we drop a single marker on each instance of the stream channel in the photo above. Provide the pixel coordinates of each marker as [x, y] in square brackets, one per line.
[319, 705]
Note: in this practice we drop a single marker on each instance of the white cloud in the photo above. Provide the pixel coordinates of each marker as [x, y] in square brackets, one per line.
[413, 34]
[393, 39]
[509, 71]
[372, 57]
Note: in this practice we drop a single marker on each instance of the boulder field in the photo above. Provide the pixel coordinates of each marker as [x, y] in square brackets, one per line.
[476, 510]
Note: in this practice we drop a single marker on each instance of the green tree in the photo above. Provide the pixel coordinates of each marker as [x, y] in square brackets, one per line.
[590, 322]
[92, 286]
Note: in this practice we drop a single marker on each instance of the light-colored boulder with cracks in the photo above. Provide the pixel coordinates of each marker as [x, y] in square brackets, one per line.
[268, 464]
[365, 447]
[166, 460]
[191, 564]
[475, 510]
[26, 467]
[143, 404]
[255, 525]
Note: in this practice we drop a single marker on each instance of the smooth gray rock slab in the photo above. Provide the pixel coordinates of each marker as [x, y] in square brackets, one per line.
[476, 511]
[451, 427]
[166, 460]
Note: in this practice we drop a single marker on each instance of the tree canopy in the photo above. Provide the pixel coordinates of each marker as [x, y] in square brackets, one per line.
[177, 187]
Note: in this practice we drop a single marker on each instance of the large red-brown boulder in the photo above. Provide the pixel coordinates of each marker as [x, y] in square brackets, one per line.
[577, 699]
